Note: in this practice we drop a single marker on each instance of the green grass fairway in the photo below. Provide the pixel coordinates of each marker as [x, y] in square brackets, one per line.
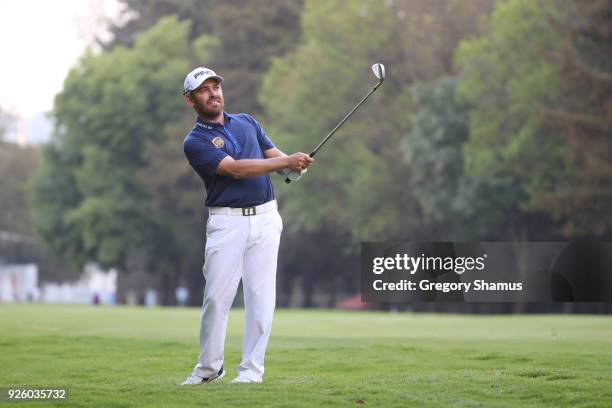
[136, 357]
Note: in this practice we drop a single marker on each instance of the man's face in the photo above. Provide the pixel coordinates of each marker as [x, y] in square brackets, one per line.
[207, 100]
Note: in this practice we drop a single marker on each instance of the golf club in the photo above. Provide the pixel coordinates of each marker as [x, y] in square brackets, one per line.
[379, 72]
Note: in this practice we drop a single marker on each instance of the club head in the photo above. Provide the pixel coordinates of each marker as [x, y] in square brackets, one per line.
[379, 71]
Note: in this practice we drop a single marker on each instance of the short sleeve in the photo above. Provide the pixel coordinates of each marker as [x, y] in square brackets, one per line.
[203, 156]
[262, 138]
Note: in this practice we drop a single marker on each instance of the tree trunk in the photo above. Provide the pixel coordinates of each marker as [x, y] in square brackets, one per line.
[195, 286]
[520, 234]
[121, 282]
[168, 288]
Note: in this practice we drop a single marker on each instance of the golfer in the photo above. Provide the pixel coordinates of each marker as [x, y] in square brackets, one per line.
[233, 155]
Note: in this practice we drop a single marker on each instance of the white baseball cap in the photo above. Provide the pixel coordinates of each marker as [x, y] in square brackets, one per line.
[195, 78]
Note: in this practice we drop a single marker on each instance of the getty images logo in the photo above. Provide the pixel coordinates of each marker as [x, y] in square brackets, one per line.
[412, 264]
[197, 74]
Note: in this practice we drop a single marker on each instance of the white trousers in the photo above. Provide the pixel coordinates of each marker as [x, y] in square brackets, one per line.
[239, 247]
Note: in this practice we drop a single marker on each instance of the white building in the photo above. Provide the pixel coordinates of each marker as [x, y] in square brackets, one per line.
[95, 286]
[19, 283]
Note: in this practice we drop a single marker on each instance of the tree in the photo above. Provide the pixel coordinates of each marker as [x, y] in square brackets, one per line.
[426, 34]
[87, 202]
[18, 241]
[248, 34]
[16, 233]
[176, 197]
[363, 168]
[447, 198]
[140, 15]
[360, 186]
[506, 80]
[583, 116]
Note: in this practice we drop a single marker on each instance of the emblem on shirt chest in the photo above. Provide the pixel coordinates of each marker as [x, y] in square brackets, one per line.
[218, 142]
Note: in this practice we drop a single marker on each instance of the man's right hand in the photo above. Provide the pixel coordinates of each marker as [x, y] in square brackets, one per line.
[299, 161]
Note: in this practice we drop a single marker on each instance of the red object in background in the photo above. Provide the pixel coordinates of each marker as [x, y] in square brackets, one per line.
[353, 303]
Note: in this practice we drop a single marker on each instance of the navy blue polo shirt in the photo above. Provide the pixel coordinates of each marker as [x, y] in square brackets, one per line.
[241, 137]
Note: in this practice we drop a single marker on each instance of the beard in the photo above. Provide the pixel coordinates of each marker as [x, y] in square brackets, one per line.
[209, 112]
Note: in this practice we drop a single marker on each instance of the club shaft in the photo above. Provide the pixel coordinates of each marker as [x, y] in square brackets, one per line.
[348, 115]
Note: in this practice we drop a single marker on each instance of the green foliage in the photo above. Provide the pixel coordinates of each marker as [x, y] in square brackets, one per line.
[239, 38]
[176, 197]
[113, 105]
[17, 238]
[144, 14]
[433, 150]
[506, 78]
[16, 166]
[433, 147]
[307, 92]
[53, 193]
[426, 33]
[583, 120]
[205, 46]
[361, 180]
[250, 33]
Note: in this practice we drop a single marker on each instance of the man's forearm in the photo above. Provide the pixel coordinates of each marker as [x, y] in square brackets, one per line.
[284, 170]
[247, 168]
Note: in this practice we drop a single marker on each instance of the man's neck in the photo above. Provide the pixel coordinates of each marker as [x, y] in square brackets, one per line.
[220, 118]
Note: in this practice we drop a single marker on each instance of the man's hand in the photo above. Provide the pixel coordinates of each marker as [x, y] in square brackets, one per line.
[299, 161]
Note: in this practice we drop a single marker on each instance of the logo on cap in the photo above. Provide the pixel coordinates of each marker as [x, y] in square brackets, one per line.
[197, 74]
[218, 142]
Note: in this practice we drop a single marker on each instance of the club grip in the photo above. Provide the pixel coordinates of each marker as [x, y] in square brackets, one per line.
[288, 180]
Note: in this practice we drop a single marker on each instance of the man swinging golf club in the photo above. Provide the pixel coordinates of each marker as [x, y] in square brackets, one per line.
[233, 156]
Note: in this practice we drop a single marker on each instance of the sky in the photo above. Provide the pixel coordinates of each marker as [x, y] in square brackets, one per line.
[40, 40]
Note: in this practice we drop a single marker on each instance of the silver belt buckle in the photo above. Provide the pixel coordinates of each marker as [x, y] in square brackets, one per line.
[248, 211]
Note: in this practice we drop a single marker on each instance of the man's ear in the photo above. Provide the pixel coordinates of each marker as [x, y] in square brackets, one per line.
[188, 99]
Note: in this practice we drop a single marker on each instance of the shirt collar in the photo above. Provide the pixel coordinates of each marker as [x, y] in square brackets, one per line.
[211, 125]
